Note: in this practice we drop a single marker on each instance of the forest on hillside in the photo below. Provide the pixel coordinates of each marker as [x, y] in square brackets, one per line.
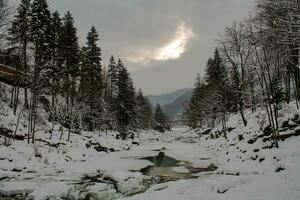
[54, 73]
[255, 65]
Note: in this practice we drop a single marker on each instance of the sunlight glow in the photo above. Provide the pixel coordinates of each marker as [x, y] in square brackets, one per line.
[177, 46]
[170, 51]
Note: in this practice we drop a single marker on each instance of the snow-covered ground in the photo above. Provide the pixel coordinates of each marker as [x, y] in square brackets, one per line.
[247, 167]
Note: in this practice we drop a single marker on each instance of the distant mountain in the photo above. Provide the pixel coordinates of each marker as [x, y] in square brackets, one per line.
[175, 109]
[168, 98]
[173, 104]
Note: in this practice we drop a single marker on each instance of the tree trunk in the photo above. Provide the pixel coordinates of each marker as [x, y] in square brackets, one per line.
[62, 133]
[297, 83]
[12, 96]
[26, 71]
[295, 91]
[288, 87]
[69, 135]
[29, 125]
[243, 117]
[51, 131]
[241, 109]
[16, 100]
[17, 125]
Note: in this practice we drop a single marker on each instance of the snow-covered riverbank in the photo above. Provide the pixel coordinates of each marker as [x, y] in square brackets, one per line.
[102, 167]
[60, 171]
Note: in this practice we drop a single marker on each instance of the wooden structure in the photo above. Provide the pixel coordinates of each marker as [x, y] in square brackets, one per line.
[12, 76]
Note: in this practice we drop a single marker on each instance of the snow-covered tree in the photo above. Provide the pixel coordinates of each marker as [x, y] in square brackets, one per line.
[19, 36]
[126, 111]
[70, 57]
[160, 119]
[144, 111]
[91, 85]
[40, 35]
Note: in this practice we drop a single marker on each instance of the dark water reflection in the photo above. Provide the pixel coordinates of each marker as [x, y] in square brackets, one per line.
[170, 169]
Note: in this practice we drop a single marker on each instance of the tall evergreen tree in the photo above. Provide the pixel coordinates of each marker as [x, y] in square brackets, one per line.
[19, 32]
[220, 94]
[113, 79]
[40, 31]
[70, 57]
[91, 68]
[212, 100]
[126, 112]
[40, 34]
[91, 77]
[144, 111]
[56, 59]
[112, 90]
[195, 112]
[216, 71]
[161, 119]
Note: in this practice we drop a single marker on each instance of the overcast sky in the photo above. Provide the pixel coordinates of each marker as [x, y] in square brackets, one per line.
[164, 43]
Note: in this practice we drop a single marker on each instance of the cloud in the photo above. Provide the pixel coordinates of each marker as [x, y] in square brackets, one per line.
[170, 51]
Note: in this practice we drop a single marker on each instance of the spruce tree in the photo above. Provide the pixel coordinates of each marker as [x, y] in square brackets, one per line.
[19, 32]
[212, 100]
[216, 71]
[194, 111]
[92, 69]
[126, 112]
[91, 78]
[113, 77]
[40, 35]
[144, 111]
[161, 120]
[56, 59]
[70, 57]
[113, 82]
[40, 31]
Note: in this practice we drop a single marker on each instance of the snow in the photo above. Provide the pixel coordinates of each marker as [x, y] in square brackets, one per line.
[13, 188]
[72, 169]
[180, 169]
[49, 190]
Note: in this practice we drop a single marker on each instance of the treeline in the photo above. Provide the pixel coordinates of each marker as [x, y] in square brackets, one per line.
[255, 65]
[69, 80]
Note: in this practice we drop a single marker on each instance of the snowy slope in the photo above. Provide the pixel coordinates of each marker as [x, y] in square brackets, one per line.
[100, 166]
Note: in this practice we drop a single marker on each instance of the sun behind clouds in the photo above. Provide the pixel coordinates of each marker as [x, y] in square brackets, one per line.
[177, 46]
[170, 51]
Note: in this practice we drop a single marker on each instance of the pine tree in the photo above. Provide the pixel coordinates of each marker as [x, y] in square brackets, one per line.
[161, 120]
[220, 94]
[83, 73]
[91, 78]
[19, 32]
[40, 31]
[70, 57]
[55, 48]
[40, 35]
[144, 111]
[92, 69]
[113, 82]
[113, 78]
[126, 112]
[211, 100]
[216, 71]
[195, 111]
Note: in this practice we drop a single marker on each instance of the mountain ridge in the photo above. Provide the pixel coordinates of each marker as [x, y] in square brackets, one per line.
[173, 103]
[167, 98]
